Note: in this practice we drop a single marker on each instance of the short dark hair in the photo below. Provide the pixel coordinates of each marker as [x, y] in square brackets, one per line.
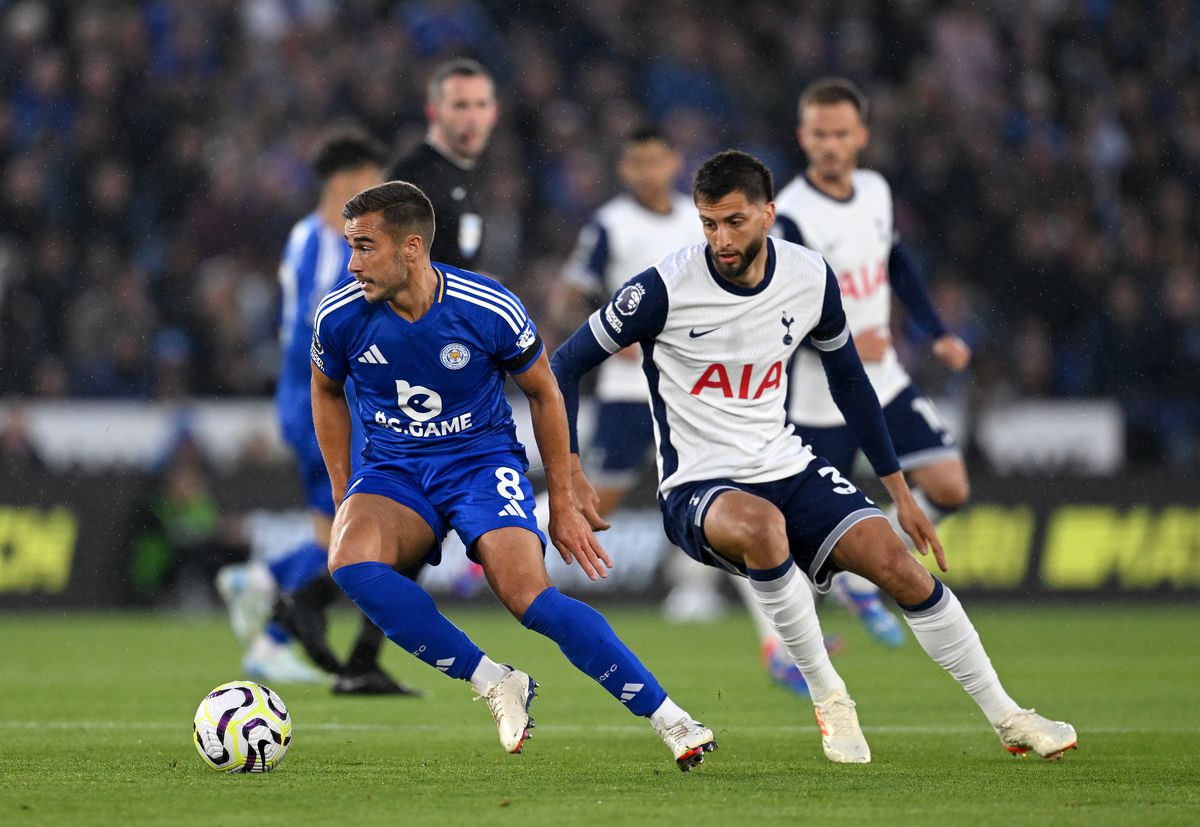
[833, 90]
[343, 148]
[733, 171]
[463, 67]
[404, 207]
[649, 132]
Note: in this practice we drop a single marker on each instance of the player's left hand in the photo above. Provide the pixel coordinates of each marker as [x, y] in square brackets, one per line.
[917, 526]
[571, 535]
[952, 351]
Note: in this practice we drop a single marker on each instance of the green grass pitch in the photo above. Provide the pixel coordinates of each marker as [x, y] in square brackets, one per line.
[95, 728]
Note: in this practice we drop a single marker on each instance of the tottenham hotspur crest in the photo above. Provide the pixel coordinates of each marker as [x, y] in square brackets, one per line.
[787, 328]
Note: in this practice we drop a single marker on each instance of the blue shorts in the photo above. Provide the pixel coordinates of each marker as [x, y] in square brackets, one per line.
[299, 433]
[473, 494]
[819, 506]
[623, 437]
[918, 434]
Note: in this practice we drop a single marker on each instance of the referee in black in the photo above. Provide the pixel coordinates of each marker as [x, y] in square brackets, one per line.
[462, 111]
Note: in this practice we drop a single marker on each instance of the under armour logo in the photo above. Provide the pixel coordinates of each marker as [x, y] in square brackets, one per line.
[787, 328]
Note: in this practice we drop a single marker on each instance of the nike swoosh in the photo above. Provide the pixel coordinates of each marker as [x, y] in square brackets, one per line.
[694, 335]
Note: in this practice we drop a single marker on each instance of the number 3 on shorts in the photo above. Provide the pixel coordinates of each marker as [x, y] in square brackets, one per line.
[509, 484]
[841, 484]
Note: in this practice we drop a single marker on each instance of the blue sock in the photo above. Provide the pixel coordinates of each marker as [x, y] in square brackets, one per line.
[298, 566]
[277, 633]
[408, 616]
[593, 648]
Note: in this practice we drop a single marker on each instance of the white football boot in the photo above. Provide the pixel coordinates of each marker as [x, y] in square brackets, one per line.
[509, 702]
[271, 662]
[841, 736]
[248, 591]
[687, 740]
[1025, 731]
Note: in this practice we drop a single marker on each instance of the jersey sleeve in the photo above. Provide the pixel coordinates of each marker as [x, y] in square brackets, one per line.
[848, 383]
[586, 266]
[910, 288]
[518, 343]
[636, 313]
[327, 351]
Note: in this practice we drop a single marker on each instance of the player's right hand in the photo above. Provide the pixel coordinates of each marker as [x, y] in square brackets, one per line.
[571, 535]
[873, 344]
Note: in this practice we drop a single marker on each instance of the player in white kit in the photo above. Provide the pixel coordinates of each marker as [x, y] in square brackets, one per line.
[626, 235]
[845, 213]
[718, 323]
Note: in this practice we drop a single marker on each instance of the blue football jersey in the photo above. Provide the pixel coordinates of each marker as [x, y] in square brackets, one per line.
[314, 260]
[436, 385]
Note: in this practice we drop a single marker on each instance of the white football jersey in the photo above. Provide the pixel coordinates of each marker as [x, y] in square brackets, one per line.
[855, 236]
[715, 358]
[623, 239]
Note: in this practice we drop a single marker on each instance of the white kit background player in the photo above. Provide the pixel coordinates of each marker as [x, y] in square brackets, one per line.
[718, 323]
[627, 234]
[845, 214]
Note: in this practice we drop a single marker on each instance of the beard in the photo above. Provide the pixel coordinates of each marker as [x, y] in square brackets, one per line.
[733, 272]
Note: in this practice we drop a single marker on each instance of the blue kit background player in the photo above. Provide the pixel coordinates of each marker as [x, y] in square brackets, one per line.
[345, 161]
[718, 324]
[442, 453]
[846, 214]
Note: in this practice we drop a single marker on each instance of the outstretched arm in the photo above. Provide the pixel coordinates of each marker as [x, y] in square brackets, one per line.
[909, 287]
[570, 528]
[331, 417]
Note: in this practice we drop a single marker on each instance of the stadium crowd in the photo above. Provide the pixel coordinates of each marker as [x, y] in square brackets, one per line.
[1045, 156]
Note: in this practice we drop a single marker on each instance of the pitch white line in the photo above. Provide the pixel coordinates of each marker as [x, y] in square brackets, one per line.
[785, 729]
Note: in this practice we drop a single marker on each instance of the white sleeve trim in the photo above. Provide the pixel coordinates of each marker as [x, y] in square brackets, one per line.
[836, 342]
[597, 327]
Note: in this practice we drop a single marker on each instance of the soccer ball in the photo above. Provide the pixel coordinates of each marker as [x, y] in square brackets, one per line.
[242, 727]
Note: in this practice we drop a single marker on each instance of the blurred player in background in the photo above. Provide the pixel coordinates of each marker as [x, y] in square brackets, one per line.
[462, 111]
[626, 235]
[845, 214]
[346, 162]
[444, 454]
[738, 489]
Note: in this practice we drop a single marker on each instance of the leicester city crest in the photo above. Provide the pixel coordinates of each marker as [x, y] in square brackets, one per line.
[629, 298]
[455, 356]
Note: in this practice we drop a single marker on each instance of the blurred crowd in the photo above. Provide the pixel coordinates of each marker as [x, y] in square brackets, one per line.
[1044, 156]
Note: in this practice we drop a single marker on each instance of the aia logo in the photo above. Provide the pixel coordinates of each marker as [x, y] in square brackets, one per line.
[716, 378]
[864, 282]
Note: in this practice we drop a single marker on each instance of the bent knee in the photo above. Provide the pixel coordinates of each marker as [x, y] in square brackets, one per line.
[355, 541]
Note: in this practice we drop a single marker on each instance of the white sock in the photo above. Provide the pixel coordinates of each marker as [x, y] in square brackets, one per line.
[487, 674]
[667, 714]
[788, 603]
[946, 634]
[766, 632]
[935, 514]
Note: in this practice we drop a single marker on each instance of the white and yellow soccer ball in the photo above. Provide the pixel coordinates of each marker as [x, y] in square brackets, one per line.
[242, 727]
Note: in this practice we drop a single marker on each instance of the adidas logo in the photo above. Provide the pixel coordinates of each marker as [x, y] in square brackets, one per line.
[372, 356]
[629, 690]
[444, 664]
[513, 509]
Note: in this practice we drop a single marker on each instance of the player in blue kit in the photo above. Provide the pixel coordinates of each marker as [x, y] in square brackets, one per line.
[346, 161]
[428, 347]
[718, 324]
